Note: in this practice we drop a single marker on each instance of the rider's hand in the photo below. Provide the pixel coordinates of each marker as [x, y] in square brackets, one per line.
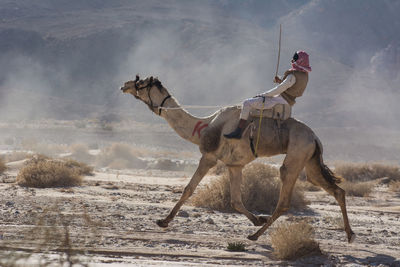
[277, 79]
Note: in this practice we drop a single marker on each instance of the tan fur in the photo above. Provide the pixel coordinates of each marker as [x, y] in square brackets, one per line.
[211, 139]
[290, 137]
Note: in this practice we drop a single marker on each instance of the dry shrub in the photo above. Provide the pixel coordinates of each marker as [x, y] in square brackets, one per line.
[80, 152]
[3, 166]
[43, 172]
[215, 196]
[394, 186]
[307, 186]
[171, 165]
[51, 234]
[218, 169]
[80, 167]
[291, 241]
[166, 164]
[260, 191]
[362, 172]
[357, 189]
[236, 246]
[119, 156]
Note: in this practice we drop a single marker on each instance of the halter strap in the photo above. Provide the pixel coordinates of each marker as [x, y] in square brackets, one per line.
[162, 104]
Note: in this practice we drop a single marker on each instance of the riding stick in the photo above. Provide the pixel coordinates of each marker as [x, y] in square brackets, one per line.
[279, 49]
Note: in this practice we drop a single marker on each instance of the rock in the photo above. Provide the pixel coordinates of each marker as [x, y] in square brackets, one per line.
[385, 180]
[183, 214]
[210, 221]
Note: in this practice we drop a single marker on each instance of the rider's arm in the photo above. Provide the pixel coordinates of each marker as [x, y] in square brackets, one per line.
[280, 88]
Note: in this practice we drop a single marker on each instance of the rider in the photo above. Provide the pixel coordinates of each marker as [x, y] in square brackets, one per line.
[292, 85]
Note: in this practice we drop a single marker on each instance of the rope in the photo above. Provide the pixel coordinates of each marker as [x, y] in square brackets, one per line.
[194, 106]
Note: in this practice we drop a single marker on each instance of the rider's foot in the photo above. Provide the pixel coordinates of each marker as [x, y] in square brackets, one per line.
[237, 133]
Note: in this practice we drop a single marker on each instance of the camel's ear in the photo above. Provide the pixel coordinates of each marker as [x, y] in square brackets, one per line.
[137, 77]
[158, 83]
[151, 79]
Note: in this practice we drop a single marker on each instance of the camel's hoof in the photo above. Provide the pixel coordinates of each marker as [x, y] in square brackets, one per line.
[252, 237]
[162, 223]
[352, 238]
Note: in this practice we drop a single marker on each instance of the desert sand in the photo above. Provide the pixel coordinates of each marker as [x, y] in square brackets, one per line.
[122, 207]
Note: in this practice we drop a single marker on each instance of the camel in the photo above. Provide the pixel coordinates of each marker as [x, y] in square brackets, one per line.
[300, 144]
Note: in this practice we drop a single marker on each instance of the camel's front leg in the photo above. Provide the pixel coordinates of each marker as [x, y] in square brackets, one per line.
[204, 165]
[235, 176]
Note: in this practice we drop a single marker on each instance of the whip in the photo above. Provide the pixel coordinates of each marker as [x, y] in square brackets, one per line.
[276, 74]
[279, 49]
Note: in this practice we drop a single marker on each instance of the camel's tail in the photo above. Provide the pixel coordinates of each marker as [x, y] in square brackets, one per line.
[320, 167]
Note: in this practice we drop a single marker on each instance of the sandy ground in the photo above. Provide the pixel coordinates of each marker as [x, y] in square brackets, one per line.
[122, 208]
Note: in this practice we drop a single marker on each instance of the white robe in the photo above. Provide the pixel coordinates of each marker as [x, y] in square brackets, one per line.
[272, 97]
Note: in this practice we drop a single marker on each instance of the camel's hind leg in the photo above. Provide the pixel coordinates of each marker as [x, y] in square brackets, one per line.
[204, 165]
[315, 176]
[289, 172]
[235, 177]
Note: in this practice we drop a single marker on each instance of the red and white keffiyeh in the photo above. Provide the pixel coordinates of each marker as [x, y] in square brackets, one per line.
[302, 63]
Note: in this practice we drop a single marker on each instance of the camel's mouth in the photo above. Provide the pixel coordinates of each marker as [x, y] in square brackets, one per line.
[130, 86]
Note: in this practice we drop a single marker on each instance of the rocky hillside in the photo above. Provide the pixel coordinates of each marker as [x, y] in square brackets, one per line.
[205, 52]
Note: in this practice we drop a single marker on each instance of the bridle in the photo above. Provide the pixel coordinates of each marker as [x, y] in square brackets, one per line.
[151, 84]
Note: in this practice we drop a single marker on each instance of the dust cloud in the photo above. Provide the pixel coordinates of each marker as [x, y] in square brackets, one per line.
[206, 53]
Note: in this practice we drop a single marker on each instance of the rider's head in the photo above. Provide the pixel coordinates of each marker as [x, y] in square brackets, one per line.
[300, 61]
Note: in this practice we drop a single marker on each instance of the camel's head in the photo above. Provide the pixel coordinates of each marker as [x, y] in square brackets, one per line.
[149, 90]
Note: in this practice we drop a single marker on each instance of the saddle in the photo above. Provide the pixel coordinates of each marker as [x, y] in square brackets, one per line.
[278, 112]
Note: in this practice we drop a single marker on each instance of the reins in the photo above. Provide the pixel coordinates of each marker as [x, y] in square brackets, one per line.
[160, 108]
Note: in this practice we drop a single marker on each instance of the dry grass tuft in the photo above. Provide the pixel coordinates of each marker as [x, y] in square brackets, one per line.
[51, 235]
[291, 241]
[307, 186]
[362, 172]
[394, 186]
[43, 172]
[80, 167]
[357, 189]
[260, 191]
[236, 246]
[171, 165]
[218, 169]
[3, 166]
[119, 156]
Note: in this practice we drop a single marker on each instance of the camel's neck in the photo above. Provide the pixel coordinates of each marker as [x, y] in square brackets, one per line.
[185, 124]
